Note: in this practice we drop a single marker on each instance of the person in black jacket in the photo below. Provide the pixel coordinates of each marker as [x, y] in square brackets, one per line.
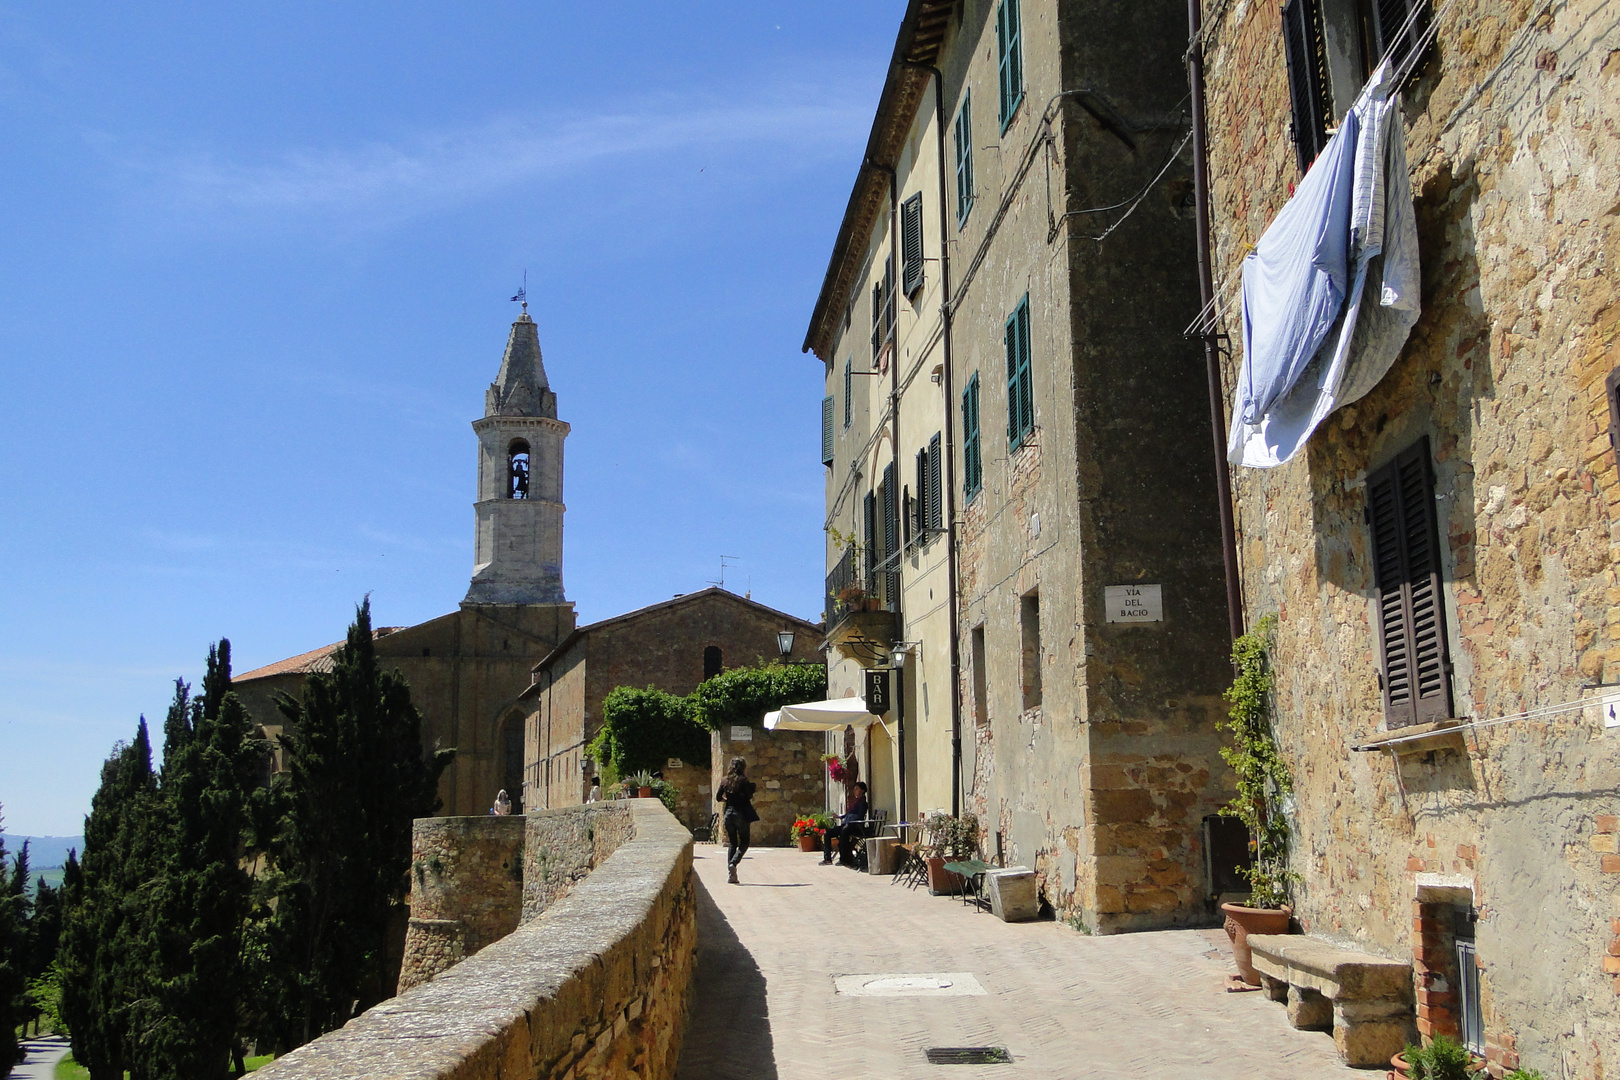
[851, 828]
[736, 794]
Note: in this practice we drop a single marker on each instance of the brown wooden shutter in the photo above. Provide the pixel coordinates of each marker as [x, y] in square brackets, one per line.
[1409, 591]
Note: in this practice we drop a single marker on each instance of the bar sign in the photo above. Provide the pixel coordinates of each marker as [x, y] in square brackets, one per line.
[877, 691]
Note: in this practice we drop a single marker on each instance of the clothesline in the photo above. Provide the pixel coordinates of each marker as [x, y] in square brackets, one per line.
[1529, 714]
[1227, 291]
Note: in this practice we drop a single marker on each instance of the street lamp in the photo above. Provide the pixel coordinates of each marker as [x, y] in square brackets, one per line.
[898, 654]
[784, 643]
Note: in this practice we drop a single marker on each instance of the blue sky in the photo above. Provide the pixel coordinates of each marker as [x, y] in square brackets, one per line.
[254, 284]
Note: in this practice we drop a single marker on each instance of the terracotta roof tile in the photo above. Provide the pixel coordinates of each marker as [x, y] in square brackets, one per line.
[307, 663]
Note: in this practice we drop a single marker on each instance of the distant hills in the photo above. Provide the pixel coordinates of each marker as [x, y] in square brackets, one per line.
[46, 854]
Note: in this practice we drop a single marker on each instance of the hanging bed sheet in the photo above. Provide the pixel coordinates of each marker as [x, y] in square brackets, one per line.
[1330, 292]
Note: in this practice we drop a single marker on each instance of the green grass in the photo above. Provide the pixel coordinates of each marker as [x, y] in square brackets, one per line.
[68, 1069]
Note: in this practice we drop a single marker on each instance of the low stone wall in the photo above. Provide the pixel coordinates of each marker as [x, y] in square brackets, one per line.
[597, 986]
[563, 846]
[466, 890]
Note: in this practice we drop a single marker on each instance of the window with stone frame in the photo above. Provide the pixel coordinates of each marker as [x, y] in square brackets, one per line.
[1415, 668]
[1029, 626]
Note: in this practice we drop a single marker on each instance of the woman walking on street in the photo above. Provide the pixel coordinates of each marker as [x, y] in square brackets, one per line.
[736, 794]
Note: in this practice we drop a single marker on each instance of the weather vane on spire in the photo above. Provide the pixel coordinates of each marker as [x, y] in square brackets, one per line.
[522, 296]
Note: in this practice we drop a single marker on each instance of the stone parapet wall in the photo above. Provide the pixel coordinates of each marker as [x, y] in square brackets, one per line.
[563, 846]
[597, 986]
[466, 890]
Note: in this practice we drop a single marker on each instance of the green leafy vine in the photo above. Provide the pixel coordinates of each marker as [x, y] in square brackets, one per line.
[1262, 777]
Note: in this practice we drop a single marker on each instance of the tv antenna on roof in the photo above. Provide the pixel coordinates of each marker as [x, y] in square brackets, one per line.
[522, 296]
[723, 565]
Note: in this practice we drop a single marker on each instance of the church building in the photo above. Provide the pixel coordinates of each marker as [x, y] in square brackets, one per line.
[467, 669]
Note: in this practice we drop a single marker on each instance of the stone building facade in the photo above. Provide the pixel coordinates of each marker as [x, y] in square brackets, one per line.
[1481, 852]
[672, 646]
[467, 669]
[1016, 438]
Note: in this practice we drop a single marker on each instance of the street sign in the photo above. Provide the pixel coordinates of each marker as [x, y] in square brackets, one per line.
[877, 690]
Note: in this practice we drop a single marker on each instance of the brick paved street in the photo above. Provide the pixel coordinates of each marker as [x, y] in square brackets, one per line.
[1065, 1005]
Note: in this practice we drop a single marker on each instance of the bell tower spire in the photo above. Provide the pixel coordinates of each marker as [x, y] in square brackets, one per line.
[518, 549]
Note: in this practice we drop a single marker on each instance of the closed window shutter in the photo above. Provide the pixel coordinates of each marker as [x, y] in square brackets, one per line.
[827, 430]
[972, 468]
[849, 389]
[911, 244]
[936, 493]
[1411, 604]
[1307, 79]
[1011, 66]
[964, 160]
[891, 535]
[920, 507]
[869, 519]
[1020, 383]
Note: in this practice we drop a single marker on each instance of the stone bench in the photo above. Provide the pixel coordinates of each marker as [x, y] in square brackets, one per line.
[1367, 1001]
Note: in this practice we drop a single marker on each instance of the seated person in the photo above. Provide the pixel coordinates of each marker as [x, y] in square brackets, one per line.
[850, 829]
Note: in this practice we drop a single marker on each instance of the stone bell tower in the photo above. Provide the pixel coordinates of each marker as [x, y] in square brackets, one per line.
[518, 551]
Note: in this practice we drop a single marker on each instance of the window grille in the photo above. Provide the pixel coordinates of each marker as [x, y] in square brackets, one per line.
[1416, 673]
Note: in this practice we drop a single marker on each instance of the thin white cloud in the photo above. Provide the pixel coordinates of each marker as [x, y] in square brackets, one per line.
[384, 182]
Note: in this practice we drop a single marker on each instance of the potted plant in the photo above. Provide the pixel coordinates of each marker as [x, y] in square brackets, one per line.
[641, 783]
[1443, 1059]
[949, 839]
[666, 793]
[808, 833]
[1262, 782]
[835, 768]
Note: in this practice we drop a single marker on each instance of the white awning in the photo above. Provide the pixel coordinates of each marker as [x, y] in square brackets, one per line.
[822, 716]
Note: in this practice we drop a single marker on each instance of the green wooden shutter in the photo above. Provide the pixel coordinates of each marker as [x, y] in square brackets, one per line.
[972, 469]
[849, 390]
[911, 244]
[1411, 607]
[920, 507]
[889, 492]
[964, 160]
[869, 520]
[1020, 383]
[936, 493]
[827, 430]
[1010, 69]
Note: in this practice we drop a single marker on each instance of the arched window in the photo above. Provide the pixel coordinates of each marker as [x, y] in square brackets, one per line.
[711, 661]
[517, 470]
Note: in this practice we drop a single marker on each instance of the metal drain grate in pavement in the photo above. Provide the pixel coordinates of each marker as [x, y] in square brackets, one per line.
[968, 1055]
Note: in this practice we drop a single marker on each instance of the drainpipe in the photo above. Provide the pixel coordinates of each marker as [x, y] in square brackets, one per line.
[950, 446]
[1206, 295]
[894, 450]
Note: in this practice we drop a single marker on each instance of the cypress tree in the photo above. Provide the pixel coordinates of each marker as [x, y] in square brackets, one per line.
[211, 763]
[105, 951]
[13, 958]
[355, 780]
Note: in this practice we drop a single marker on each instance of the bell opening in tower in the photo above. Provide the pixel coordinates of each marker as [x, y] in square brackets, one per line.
[517, 470]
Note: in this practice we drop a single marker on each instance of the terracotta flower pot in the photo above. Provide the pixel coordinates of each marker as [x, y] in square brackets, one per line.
[1241, 922]
[942, 882]
[1401, 1069]
[808, 842]
[646, 793]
